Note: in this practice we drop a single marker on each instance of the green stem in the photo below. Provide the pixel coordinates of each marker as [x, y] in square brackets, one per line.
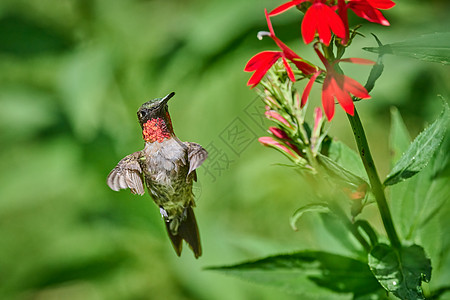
[350, 226]
[377, 187]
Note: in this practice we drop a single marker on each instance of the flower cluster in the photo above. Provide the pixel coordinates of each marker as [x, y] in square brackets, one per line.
[280, 139]
[327, 20]
[291, 135]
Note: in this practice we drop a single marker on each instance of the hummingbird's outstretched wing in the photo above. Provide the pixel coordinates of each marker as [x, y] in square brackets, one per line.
[127, 174]
[196, 156]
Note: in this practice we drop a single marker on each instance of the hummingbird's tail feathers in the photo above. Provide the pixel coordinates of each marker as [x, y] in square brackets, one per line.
[177, 240]
[188, 231]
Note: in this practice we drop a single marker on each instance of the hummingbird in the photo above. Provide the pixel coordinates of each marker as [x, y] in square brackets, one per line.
[167, 166]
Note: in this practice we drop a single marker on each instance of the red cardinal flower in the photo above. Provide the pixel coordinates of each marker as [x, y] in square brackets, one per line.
[263, 61]
[319, 18]
[337, 85]
[369, 9]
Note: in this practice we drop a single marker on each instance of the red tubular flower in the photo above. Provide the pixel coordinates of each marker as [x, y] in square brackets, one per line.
[369, 9]
[318, 18]
[263, 61]
[337, 85]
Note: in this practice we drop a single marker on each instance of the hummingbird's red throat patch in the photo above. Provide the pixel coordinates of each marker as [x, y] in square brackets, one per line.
[155, 130]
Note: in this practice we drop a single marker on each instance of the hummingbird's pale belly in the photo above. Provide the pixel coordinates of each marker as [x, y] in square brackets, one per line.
[165, 170]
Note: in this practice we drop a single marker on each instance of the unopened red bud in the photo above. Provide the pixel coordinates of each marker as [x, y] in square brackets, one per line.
[271, 142]
[271, 114]
[279, 133]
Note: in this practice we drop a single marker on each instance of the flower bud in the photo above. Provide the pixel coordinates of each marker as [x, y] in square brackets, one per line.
[279, 133]
[273, 115]
[271, 142]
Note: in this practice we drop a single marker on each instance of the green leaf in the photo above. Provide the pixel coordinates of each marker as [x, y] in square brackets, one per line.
[420, 210]
[313, 207]
[399, 139]
[345, 156]
[370, 232]
[376, 70]
[311, 274]
[420, 151]
[401, 273]
[339, 173]
[433, 47]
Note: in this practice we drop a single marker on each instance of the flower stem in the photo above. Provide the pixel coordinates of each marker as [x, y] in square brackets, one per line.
[350, 226]
[377, 187]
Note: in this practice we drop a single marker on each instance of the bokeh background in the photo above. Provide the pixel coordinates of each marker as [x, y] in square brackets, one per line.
[72, 76]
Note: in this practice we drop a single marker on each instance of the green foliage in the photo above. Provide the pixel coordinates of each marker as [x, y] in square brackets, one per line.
[433, 47]
[310, 274]
[339, 173]
[376, 70]
[344, 156]
[419, 203]
[399, 139]
[73, 74]
[314, 207]
[420, 152]
[401, 272]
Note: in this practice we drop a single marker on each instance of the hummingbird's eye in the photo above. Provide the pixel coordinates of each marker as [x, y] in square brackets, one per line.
[143, 113]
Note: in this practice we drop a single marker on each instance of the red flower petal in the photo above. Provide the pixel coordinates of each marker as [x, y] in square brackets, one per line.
[324, 32]
[341, 94]
[269, 23]
[309, 25]
[321, 18]
[355, 60]
[328, 98]
[381, 4]
[285, 6]
[303, 66]
[288, 69]
[260, 59]
[363, 9]
[343, 14]
[354, 87]
[261, 63]
[308, 87]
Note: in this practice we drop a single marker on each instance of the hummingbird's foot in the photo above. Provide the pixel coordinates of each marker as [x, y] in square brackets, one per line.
[163, 213]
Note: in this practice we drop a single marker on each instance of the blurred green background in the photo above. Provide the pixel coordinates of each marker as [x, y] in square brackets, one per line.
[72, 76]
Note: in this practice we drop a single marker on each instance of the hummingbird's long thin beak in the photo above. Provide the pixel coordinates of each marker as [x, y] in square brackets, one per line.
[167, 98]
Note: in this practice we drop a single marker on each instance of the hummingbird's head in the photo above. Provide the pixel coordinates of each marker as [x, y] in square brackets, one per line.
[155, 120]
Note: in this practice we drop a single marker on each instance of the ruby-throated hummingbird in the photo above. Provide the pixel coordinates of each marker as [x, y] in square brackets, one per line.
[167, 166]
